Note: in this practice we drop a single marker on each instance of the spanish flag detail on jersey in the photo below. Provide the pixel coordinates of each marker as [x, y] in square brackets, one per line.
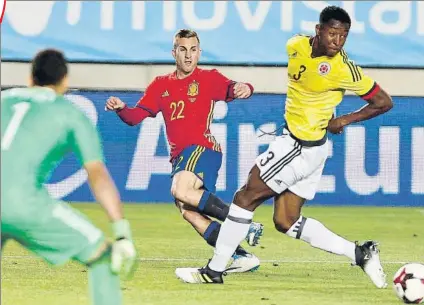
[317, 85]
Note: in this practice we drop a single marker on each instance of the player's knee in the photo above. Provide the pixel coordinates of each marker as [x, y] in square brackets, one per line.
[186, 212]
[174, 190]
[283, 224]
[180, 193]
[179, 205]
[180, 188]
[183, 211]
[245, 199]
[189, 216]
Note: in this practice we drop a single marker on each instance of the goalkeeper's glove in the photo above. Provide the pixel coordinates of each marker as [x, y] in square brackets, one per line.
[124, 255]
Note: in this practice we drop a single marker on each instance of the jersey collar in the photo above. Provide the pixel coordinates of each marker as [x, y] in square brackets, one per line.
[195, 71]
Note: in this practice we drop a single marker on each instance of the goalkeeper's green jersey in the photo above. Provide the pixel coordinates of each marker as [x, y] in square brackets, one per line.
[38, 128]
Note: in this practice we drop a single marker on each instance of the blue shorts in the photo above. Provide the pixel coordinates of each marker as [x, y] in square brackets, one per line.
[203, 162]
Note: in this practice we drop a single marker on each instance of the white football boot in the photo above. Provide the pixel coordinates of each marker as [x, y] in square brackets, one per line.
[203, 275]
[242, 261]
[368, 258]
[256, 230]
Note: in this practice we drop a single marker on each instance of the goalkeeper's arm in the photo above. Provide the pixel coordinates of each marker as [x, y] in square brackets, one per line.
[105, 191]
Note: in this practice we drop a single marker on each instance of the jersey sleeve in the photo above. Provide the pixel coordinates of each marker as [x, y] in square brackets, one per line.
[221, 86]
[149, 101]
[353, 79]
[84, 138]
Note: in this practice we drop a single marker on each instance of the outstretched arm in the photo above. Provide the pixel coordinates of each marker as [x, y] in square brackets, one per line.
[147, 106]
[227, 89]
[104, 189]
[130, 116]
[86, 144]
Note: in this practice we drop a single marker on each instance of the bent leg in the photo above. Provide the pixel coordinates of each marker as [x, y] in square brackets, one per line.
[194, 183]
[194, 173]
[287, 211]
[198, 221]
[287, 208]
[187, 187]
[288, 220]
[206, 228]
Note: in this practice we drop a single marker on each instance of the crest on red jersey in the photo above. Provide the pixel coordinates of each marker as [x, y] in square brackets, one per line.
[2, 9]
[324, 68]
[193, 89]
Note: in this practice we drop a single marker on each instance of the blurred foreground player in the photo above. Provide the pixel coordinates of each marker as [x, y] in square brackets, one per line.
[290, 170]
[186, 98]
[38, 127]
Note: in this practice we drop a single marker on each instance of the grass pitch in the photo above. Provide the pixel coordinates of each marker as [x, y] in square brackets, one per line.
[291, 272]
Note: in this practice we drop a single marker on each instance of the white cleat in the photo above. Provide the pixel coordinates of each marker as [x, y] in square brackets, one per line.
[368, 258]
[203, 275]
[243, 263]
[256, 230]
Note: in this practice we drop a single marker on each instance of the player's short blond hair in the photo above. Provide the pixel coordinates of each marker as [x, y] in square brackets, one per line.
[185, 33]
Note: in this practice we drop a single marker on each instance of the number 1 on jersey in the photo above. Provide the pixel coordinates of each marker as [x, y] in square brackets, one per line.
[20, 110]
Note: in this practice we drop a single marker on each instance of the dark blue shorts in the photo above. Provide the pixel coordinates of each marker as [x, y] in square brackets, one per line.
[203, 162]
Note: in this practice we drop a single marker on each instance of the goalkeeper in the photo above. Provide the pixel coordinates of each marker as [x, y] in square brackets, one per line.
[38, 127]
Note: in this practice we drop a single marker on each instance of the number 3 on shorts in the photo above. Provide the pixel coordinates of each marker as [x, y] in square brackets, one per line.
[20, 110]
[269, 157]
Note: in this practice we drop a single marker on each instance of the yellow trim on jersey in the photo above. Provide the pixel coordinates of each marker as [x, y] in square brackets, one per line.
[194, 158]
[210, 137]
[210, 115]
[216, 146]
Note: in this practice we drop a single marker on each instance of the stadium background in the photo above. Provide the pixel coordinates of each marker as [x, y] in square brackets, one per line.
[118, 48]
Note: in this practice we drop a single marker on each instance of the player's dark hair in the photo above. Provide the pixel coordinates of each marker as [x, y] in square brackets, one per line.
[186, 33]
[335, 13]
[49, 67]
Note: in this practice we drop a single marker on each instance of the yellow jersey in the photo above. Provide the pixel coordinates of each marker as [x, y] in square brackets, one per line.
[316, 86]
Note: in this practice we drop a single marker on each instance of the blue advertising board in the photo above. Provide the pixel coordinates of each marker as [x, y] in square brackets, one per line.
[383, 33]
[377, 162]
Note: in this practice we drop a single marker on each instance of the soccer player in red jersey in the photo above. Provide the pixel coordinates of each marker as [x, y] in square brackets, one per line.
[186, 98]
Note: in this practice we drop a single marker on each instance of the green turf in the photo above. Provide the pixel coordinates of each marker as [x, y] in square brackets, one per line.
[301, 275]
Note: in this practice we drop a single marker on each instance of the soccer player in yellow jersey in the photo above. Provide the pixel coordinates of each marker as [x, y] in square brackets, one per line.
[289, 171]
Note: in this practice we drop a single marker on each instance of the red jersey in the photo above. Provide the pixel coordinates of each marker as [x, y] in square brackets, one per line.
[187, 107]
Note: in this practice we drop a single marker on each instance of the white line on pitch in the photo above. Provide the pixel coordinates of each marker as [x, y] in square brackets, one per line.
[282, 261]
